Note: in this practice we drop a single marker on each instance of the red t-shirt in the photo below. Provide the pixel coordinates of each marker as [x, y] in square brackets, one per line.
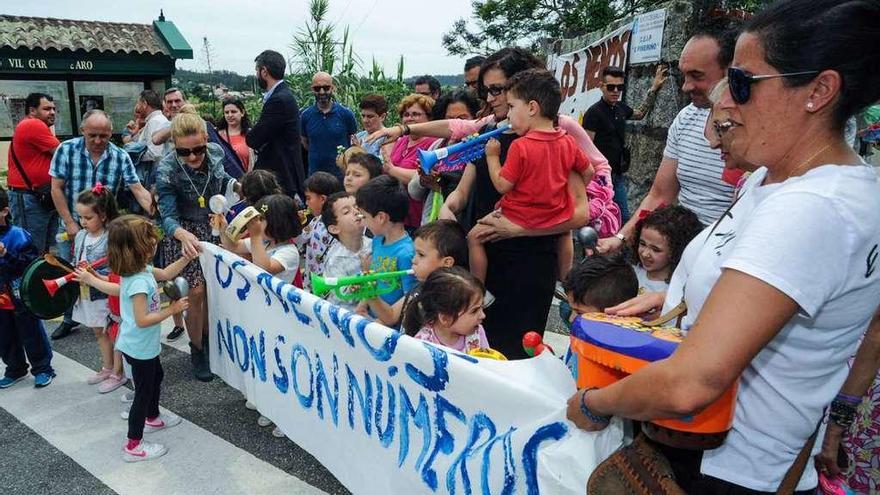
[538, 164]
[34, 144]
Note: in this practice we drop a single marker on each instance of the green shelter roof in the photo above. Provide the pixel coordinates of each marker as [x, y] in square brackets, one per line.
[92, 36]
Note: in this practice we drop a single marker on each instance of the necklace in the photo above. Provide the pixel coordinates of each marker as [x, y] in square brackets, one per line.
[201, 198]
[808, 161]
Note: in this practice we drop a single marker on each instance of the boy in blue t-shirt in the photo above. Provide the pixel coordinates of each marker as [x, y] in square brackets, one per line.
[384, 204]
[21, 334]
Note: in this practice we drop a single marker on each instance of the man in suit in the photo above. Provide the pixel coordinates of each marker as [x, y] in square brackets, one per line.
[276, 136]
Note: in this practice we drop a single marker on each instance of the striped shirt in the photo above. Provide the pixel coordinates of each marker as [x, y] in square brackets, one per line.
[73, 164]
[699, 167]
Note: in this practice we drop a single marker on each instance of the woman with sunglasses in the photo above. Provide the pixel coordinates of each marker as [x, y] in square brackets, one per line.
[185, 179]
[779, 289]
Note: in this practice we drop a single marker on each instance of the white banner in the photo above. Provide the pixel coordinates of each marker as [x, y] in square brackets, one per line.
[647, 37]
[386, 413]
[580, 72]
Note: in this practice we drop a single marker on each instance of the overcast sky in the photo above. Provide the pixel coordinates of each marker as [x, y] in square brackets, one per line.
[239, 29]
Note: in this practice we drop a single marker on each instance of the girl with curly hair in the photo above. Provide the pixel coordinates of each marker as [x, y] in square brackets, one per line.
[661, 236]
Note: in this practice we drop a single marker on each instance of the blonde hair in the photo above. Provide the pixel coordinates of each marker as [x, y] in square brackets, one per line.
[426, 102]
[187, 122]
[343, 158]
[717, 91]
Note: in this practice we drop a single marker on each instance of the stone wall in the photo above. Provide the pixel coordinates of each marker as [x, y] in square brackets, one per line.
[648, 136]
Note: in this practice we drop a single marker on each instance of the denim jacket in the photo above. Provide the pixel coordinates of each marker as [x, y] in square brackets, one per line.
[179, 188]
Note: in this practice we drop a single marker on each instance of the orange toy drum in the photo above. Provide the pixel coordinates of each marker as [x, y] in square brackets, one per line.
[608, 348]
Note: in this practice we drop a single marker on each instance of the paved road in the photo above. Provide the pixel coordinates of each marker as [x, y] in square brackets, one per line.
[67, 438]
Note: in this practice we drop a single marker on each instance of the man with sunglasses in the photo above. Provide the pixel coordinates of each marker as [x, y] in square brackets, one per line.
[605, 123]
[79, 164]
[690, 171]
[325, 126]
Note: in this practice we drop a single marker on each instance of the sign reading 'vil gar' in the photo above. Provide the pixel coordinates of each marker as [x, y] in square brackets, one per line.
[386, 413]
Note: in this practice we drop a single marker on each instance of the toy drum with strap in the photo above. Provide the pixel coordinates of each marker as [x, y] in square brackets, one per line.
[609, 348]
[43, 298]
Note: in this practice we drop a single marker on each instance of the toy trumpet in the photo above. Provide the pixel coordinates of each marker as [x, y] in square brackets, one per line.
[53, 285]
[459, 153]
[368, 286]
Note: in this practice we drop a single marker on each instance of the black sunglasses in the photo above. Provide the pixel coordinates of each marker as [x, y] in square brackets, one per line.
[493, 90]
[184, 152]
[317, 89]
[740, 82]
[615, 87]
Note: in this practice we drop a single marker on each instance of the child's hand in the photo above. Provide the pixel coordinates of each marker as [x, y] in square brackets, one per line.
[180, 305]
[362, 309]
[256, 228]
[366, 262]
[2, 249]
[218, 221]
[84, 276]
[493, 148]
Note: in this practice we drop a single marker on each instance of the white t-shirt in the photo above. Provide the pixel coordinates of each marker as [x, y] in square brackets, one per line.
[155, 122]
[699, 166]
[287, 254]
[811, 237]
[646, 284]
[340, 262]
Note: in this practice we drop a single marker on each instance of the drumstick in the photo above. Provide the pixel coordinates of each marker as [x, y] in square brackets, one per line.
[52, 260]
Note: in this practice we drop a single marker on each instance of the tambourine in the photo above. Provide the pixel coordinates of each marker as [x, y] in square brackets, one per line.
[38, 280]
[239, 222]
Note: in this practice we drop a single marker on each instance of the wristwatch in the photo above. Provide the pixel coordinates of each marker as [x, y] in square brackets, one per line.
[620, 236]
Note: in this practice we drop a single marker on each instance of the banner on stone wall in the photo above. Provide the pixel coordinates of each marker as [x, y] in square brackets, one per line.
[386, 413]
[580, 72]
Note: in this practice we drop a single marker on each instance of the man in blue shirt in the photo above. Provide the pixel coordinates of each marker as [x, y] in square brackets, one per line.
[325, 126]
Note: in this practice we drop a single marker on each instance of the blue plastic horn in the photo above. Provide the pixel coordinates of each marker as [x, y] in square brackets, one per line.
[459, 153]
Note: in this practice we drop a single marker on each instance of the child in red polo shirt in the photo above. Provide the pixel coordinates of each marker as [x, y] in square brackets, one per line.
[534, 179]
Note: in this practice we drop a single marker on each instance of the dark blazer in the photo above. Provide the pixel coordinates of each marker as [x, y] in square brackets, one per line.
[276, 140]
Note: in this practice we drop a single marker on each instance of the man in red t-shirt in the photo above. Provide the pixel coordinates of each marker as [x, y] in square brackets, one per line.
[33, 144]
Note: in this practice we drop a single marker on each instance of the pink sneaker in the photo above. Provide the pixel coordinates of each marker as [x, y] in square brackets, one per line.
[144, 451]
[99, 376]
[165, 420]
[112, 383]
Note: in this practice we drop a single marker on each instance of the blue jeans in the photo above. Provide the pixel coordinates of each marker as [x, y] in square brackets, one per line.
[619, 181]
[22, 335]
[29, 215]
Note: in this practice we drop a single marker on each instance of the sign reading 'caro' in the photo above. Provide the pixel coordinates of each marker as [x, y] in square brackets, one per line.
[45, 64]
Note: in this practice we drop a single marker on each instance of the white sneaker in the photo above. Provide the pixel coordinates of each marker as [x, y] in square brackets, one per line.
[250, 405]
[277, 433]
[263, 421]
[145, 451]
[127, 398]
[124, 415]
[165, 420]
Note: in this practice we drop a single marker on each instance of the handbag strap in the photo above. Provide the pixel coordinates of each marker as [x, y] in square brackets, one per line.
[18, 166]
[796, 470]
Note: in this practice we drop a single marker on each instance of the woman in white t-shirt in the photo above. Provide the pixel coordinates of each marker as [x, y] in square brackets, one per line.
[780, 289]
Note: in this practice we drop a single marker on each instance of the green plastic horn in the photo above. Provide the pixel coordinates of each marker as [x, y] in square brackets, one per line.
[367, 285]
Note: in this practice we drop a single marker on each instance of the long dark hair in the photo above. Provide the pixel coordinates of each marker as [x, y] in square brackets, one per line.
[446, 291]
[677, 224]
[458, 96]
[510, 61]
[245, 121]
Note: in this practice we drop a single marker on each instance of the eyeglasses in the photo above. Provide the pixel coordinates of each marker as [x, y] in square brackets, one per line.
[471, 84]
[494, 90]
[740, 82]
[615, 87]
[413, 114]
[185, 152]
[318, 89]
